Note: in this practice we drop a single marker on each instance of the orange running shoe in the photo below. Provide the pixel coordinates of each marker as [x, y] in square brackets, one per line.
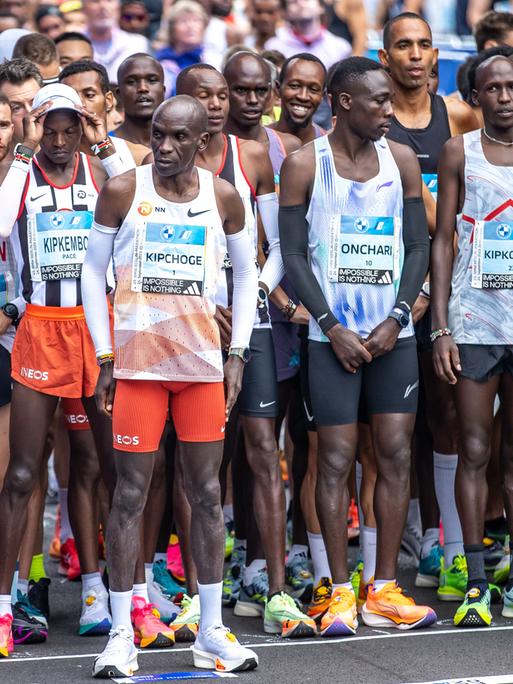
[70, 565]
[6, 641]
[320, 599]
[148, 628]
[389, 607]
[341, 618]
[363, 590]
[55, 545]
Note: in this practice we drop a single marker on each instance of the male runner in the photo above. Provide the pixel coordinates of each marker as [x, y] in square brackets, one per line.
[425, 122]
[355, 245]
[47, 201]
[471, 306]
[141, 90]
[168, 355]
[302, 85]
[246, 164]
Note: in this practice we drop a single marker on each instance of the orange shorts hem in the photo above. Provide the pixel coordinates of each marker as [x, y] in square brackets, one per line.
[74, 415]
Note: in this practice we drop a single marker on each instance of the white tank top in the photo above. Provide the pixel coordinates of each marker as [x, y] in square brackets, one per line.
[481, 301]
[355, 241]
[167, 261]
[9, 286]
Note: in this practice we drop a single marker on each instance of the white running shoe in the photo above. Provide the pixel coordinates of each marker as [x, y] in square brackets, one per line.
[217, 648]
[162, 602]
[96, 619]
[119, 658]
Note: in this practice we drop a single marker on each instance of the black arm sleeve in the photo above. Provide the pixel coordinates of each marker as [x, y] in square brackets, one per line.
[294, 250]
[416, 252]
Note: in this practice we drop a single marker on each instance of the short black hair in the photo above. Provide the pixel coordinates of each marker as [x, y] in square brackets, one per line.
[17, 71]
[462, 78]
[72, 35]
[37, 48]
[349, 71]
[390, 23]
[82, 67]
[45, 11]
[305, 57]
[497, 51]
[492, 26]
[182, 77]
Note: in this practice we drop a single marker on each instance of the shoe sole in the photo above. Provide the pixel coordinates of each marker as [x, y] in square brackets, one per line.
[208, 661]
[338, 628]
[243, 609]
[185, 633]
[156, 641]
[450, 597]
[472, 619]
[507, 611]
[24, 635]
[302, 630]
[109, 671]
[100, 629]
[426, 581]
[375, 620]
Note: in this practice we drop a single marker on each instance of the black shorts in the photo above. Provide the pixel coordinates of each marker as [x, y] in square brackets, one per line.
[423, 333]
[388, 384]
[259, 394]
[480, 362]
[305, 384]
[5, 377]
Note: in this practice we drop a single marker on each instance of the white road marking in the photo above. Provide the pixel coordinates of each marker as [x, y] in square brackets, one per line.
[499, 679]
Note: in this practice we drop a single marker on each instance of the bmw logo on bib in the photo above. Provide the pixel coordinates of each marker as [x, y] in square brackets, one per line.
[503, 231]
[167, 233]
[57, 220]
[361, 224]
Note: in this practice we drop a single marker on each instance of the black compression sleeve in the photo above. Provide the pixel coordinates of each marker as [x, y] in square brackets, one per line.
[294, 250]
[416, 252]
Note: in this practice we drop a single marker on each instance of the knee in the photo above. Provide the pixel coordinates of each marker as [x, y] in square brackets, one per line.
[474, 454]
[129, 499]
[395, 462]
[333, 465]
[206, 496]
[20, 481]
[263, 457]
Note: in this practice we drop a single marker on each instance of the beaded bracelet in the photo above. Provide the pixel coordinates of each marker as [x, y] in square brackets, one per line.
[105, 358]
[289, 309]
[441, 332]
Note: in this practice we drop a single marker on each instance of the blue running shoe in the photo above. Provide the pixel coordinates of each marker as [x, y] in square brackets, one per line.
[298, 578]
[164, 579]
[428, 574]
[507, 608]
[253, 597]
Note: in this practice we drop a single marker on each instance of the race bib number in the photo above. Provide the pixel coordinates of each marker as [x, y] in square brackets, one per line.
[169, 259]
[492, 255]
[431, 181]
[57, 244]
[364, 250]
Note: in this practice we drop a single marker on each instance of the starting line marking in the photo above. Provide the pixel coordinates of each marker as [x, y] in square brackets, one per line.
[499, 679]
[173, 676]
[310, 642]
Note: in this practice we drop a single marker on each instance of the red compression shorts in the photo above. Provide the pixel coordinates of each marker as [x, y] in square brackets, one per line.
[75, 417]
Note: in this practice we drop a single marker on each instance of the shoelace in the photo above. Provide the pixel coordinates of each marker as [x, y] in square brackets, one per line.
[399, 595]
[219, 634]
[112, 648]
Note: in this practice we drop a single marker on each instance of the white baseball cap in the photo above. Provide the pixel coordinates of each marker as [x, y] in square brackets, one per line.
[62, 96]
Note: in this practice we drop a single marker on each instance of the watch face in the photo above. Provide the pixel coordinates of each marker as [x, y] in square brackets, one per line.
[262, 294]
[246, 355]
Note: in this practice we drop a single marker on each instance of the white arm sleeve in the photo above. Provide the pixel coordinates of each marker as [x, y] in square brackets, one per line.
[245, 286]
[114, 165]
[94, 268]
[11, 192]
[273, 270]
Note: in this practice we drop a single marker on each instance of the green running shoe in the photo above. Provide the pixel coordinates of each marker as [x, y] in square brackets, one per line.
[229, 538]
[356, 577]
[475, 609]
[501, 572]
[186, 623]
[453, 580]
[282, 616]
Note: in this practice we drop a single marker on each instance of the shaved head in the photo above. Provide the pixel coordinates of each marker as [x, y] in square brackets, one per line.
[182, 109]
[246, 62]
[139, 57]
[188, 78]
[483, 70]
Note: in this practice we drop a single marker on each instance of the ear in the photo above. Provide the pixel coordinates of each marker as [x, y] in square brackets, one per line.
[345, 101]
[435, 56]
[490, 43]
[109, 100]
[383, 56]
[203, 142]
[474, 98]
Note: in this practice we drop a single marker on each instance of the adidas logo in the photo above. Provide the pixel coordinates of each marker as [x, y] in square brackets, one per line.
[193, 289]
[385, 279]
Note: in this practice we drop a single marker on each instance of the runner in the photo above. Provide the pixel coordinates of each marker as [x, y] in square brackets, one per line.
[48, 193]
[302, 87]
[361, 334]
[180, 369]
[471, 301]
[425, 122]
[141, 90]
[246, 164]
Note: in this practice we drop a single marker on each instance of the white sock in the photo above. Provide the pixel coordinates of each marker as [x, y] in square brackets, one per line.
[120, 605]
[368, 537]
[429, 540]
[359, 478]
[346, 585]
[251, 570]
[445, 474]
[160, 556]
[66, 531]
[297, 550]
[14, 586]
[148, 572]
[379, 584]
[319, 556]
[91, 580]
[5, 604]
[414, 514]
[210, 605]
[228, 513]
[141, 590]
[23, 585]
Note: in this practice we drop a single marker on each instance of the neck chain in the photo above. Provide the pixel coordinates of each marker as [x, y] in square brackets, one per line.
[500, 142]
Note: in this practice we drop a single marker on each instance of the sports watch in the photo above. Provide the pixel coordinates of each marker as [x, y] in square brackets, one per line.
[400, 316]
[11, 311]
[243, 353]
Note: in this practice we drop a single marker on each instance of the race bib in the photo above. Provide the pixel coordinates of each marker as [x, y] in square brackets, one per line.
[57, 243]
[431, 180]
[492, 255]
[364, 250]
[169, 259]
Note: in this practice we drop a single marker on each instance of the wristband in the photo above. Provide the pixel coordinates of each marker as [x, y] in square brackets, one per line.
[441, 332]
[289, 309]
[103, 145]
[23, 154]
[105, 358]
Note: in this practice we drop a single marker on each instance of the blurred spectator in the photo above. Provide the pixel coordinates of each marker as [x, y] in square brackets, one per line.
[304, 32]
[20, 8]
[20, 80]
[264, 15]
[49, 21]
[186, 34]
[111, 45]
[494, 28]
[275, 57]
[42, 52]
[476, 9]
[74, 16]
[73, 47]
[222, 30]
[8, 20]
[116, 116]
[348, 19]
[134, 17]
[8, 40]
